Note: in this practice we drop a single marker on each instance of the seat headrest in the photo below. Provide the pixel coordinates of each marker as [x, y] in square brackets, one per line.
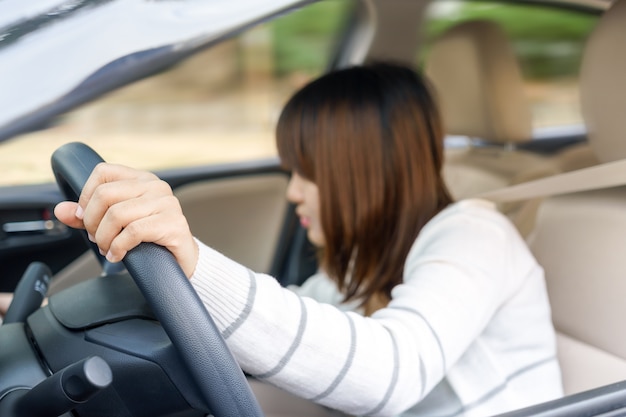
[603, 85]
[478, 83]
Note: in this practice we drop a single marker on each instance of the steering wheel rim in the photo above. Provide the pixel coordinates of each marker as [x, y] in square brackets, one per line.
[174, 302]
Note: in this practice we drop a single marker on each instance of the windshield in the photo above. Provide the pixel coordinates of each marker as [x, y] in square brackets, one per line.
[218, 105]
[56, 54]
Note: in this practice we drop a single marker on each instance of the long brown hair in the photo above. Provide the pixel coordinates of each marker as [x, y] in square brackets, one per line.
[371, 139]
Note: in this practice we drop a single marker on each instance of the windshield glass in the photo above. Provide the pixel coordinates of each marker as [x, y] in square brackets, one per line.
[220, 105]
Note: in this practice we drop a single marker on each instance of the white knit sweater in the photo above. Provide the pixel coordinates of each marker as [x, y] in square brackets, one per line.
[468, 332]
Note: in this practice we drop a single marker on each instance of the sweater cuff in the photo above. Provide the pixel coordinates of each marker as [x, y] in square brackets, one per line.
[222, 284]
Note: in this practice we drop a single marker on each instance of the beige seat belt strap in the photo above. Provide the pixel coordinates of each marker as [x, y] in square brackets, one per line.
[609, 174]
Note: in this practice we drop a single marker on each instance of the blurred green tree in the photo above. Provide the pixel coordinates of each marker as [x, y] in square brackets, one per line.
[304, 40]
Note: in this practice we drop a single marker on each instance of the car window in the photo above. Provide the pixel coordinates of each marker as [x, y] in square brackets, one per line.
[548, 42]
[217, 106]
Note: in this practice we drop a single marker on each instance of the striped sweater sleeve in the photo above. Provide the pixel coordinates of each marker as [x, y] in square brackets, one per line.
[286, 339]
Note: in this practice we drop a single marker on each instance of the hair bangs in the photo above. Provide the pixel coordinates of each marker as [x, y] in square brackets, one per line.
[295, 137]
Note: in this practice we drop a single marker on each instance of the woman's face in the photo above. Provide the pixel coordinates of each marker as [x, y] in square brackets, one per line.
[305, 195]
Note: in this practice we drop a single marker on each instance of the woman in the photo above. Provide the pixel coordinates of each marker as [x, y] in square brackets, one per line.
[422, 306]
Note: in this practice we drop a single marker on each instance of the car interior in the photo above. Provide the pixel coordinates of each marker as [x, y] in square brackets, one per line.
[576, 237]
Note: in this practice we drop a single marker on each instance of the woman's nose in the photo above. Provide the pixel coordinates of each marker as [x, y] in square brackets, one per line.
[294, 189]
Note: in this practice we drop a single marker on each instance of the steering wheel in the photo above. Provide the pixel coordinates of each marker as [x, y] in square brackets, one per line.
[174, 302]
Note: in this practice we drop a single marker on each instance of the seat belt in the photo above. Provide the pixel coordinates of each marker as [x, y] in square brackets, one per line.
[606, 175]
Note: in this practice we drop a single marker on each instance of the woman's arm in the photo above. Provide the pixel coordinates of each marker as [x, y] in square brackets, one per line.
[311, 349]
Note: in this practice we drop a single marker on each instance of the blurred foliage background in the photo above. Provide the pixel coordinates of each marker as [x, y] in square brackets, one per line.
[301, 39]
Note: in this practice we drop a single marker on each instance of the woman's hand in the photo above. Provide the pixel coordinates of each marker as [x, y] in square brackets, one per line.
[5, 302]
[121, 207]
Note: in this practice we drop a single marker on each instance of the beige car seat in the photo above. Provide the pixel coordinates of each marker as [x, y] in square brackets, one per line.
[580, 239]
[479, 86]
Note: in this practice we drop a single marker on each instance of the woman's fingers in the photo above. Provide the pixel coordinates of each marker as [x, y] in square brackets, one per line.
[143, 219]
[121, 202]
[72, 214]
[166, 227]
[66, 213]
[105, 173]
[121, 207]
